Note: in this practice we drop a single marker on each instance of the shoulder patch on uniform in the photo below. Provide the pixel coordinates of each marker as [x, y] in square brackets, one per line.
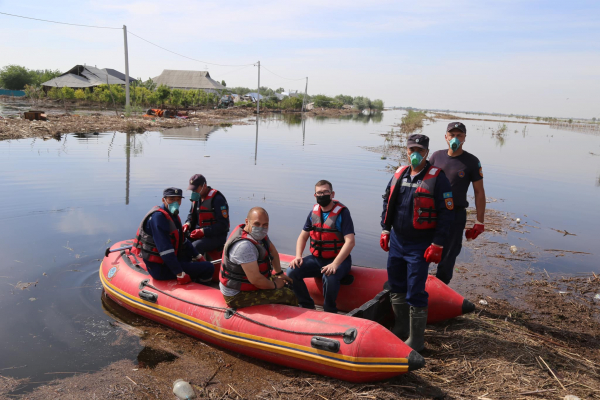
[223, 207]
[480, 172]
[448, 195]
[461, 174]
[432, 171]
[449, 203]
[225, 213]
[479, 164]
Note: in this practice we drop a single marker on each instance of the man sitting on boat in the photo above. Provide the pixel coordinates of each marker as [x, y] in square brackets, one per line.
[331, 231]
[160, 243]
[248, 259]
[208, 220]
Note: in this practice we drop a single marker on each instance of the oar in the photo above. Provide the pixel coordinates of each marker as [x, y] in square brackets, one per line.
[108, 251]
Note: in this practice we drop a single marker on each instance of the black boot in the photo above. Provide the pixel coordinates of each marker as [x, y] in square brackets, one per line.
[401, 311]
[418, 320]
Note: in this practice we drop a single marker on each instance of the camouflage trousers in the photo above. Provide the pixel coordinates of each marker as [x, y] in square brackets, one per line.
[264, 296]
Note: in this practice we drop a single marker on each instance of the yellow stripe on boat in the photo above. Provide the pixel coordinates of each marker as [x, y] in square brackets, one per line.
[360, 364]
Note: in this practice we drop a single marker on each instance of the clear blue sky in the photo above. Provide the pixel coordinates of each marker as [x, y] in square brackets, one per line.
[534, 57]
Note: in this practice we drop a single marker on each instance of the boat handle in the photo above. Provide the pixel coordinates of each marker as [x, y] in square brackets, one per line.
[322, 343]
[148, 296]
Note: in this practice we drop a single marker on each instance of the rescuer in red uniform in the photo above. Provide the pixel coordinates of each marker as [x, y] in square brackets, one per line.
[331, 231]
[417, 214]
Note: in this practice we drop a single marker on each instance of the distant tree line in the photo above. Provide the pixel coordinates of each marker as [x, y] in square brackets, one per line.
[16, 77]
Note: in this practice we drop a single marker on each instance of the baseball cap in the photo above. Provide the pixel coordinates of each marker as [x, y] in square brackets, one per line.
[418, 140]
[457, 125]
[196, 181]
[173, 192]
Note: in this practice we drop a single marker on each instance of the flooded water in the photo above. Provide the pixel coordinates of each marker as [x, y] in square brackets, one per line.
[65, 202]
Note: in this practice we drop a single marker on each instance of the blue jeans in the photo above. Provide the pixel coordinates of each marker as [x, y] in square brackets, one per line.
[311, 268]
[453, 246]
[407, 269]
[209, 243]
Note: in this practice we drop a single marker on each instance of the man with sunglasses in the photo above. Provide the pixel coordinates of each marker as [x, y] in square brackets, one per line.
[331, 231]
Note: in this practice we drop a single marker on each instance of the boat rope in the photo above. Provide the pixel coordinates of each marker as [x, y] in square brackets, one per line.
[231, 312]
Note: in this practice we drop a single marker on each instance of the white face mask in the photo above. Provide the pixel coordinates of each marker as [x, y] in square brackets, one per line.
[259, 233]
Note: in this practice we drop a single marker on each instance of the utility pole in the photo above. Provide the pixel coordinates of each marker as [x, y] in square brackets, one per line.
[305, 92]
[126, 67]
[258, 96]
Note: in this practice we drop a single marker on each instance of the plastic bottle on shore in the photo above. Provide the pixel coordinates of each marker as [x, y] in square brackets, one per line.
[183, 390]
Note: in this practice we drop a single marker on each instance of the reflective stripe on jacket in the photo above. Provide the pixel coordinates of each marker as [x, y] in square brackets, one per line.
[424, 212]
[143, 244]
[325, 240]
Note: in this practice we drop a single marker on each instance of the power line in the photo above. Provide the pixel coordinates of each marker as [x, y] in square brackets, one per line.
[57, 22]
[189, 58]
[289, 79]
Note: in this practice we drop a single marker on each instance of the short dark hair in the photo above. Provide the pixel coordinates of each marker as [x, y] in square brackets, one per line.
[324, 182]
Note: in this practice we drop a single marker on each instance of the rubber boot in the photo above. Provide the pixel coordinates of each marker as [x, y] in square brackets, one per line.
[418, 320]
[402, 313]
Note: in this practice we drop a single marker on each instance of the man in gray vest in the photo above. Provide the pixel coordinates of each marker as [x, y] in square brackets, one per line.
[249, 258]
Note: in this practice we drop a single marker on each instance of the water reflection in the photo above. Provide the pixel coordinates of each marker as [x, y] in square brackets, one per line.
[197, 132]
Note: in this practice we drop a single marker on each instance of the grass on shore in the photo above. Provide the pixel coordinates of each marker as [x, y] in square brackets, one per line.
[412, 121]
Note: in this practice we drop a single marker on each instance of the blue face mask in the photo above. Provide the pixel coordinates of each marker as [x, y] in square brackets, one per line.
[174, 208]
[195, 196]
[415, 159]
[455, 144]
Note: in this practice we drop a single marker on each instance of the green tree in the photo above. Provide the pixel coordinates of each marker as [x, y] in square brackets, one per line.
[43, 75]
[163, 92]
[377, 104]
[321, 100]
[15, 77]
[177, 96]
[359, 103]
[344, 99]
[67, 93]
[80, 94]
[223, 83]
[149, 84]
[280, 90]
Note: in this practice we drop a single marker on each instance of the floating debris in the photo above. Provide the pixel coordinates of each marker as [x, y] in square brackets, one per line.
[513, 249]
[483, 302]
[32, 299]
[25, 285]
[183, 390]
[518, 220]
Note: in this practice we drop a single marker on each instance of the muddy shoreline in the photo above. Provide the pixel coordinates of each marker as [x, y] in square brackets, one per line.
[96, 121]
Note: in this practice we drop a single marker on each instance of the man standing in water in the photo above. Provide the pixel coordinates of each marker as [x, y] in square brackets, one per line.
[331, 231]
[417, 214]
[160, 243]
[249, 257]
[461, 168]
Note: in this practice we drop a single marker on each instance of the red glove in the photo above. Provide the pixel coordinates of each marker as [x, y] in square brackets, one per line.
[200, 259]
[197, 234]
[184, 280]
[185, 228]
[475, 231]
[433, 254]
[384, 241]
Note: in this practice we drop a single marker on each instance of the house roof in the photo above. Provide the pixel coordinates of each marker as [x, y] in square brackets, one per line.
[82, 76]
[182, 79]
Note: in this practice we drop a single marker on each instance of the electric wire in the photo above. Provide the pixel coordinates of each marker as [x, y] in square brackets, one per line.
[190, 58]
[282, 77]
[57, 22]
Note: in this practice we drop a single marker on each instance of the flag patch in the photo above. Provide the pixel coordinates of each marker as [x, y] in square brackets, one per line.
[448, 195]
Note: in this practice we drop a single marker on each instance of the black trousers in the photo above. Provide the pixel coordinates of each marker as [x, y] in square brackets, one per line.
[452, 247]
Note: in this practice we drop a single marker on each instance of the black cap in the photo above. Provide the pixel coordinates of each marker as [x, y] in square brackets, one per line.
[457, 125]
[173, 192]
[418, 140]
[196, 181]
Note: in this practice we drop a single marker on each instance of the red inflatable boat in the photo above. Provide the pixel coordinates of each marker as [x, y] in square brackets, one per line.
[339, 346]
[365, 283]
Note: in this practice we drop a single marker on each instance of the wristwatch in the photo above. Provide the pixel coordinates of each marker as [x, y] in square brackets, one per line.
[279, 273]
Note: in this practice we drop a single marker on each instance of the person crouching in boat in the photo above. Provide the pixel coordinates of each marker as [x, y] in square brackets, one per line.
[418, 210]
[208, 220]
[331, 231]
[248, 259]
[160, 243]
